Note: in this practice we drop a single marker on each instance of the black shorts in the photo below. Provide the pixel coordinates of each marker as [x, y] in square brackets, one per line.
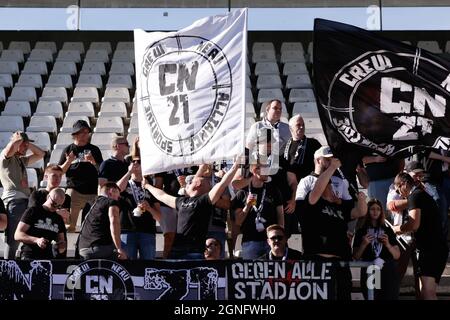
[431, 262]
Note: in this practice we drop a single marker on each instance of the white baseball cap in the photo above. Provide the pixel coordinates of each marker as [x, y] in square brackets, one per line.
[324, 151]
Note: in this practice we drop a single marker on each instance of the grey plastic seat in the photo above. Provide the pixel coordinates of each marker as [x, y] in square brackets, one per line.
[45, 55]
[50, 45]
[96, 56]
[269, 81]
[93, 67]
[5, 137]
[50, 108]
[134, 125]
[60, 80]
[41, 139]
[266, 68]
[301, 95]
[307, 109]
[81, 109]
[11, 123]
[298, 81]
[12, 55]
[294, 68]
[269, 94]
[24, 46]
[125, 45]
[23, 94]
[2, 95]
[113, 109]
[9, 67]
[35, 67]
[109, 124]
[292, 56]
[6, 80]
[17, 108]
[65, 67]
[74, 45]
[43, 124]
[258, 46]
[32, 178]
[86, 94]
[70, 120]
[123, 56]
[68, 56]
[63, 140]
[30, 80]
[90, 80]
[55, 94]
[292, 46]
[101, 45]
[263, 56]
[119, 80]
[117, 95]
[103, 139]
[56, 155]
[122, 68]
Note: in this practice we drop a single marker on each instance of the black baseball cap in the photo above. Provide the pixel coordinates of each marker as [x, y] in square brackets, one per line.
[80, 125]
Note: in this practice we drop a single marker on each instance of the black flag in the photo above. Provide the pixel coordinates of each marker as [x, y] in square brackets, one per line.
[379, 95]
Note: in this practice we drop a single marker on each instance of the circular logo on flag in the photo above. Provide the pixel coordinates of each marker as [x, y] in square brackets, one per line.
[186, 91]
[99, 280]
[389, 96]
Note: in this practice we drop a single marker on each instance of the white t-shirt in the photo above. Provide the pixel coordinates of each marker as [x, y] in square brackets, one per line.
[340, 187]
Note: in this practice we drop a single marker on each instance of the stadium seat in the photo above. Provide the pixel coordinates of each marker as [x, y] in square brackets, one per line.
[113, 109]
[5, 137]
[263, 56]
[60, 80]
[312, 123]
[109, 124]
[123, 45]
[258, 46]
[41, 55]
[269, 94]
[32, 178]
[298, 81]
[63, 140]
[43, 124]
[248, 95]
[117, 95]
[303, 108]
[49, 45]
[6, 80]
[119, 81]
[9, 67]
[319, 136]
[74, 45]
[269, 81]
[90, 80]
[50, 108]
[24, 46]
[250, 110]
[93, 67]
[294, 68]
[432, 46]
[12, 55]
[122, 68]
[23, 94]
[292, 46]
[103, 140]
[65, 67]
[81, 109]
[55, 156]
[134, 111]
[266, 68]
[41, 139]
[30, 80]
[69, 56]
[70, 120]
[134, 125]
[123, 56]
[86, 94]
[55, 94]
[17, 108]
[11, 123]
[35, 67]
[97, 56]
[292, 56]
[301, 95]
[104, 45]
[2, 95]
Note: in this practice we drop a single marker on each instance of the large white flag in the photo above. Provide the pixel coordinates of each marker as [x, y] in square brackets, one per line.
[191, 92]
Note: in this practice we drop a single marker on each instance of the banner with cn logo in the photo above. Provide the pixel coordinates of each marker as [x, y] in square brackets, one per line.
[191, 92]
[379, 95]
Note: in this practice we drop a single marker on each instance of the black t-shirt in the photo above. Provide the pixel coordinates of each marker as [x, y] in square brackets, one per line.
[43, 224]
[369, 253]
[38, 197]
[429, 235]
[300, 157]
[194, 214]
[324, 227]
[128, 222]
[96, 227]
[272, 200]
[280, 182]
[113, 169]
[2, 207]
[82, 175]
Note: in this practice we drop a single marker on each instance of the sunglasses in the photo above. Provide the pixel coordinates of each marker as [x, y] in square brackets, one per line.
[276, 238]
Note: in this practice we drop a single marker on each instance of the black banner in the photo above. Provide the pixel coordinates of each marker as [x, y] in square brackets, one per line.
[165, 280]
[379, 95]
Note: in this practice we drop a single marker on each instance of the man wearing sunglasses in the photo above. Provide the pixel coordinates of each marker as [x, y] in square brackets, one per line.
[277, 240]
[40, 226]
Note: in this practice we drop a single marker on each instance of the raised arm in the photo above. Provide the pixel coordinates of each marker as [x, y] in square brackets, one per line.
[13, 145]
[323, 180]
[161, 195]
[37, 153]
[215, 193]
